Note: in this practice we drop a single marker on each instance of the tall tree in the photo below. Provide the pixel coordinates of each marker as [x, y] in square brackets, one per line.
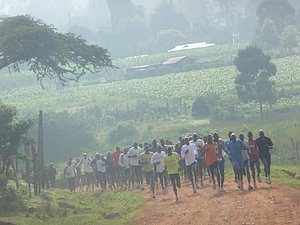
[47, 52]
[128, 24]
[12, 133]
[254, 79]
[280, 12]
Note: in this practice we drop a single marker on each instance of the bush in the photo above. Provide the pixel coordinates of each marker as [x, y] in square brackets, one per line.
[200, 108]
[121, 132]
[11, 200]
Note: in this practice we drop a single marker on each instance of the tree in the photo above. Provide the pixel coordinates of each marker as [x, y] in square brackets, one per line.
[129, 28]
[290, 39]
[280, 12]
[165, 17]
[47, 52]
[254, 79]
[268, 38]
[12, 133]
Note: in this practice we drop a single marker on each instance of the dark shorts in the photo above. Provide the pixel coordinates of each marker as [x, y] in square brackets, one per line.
[213, 166]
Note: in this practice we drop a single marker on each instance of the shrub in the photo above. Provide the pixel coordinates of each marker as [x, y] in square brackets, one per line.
[200, 108]
[121, 132]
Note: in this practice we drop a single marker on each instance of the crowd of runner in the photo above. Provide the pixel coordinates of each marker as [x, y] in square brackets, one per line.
[163, 164]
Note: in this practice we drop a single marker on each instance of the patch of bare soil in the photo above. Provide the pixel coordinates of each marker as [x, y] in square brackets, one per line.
[268, 204]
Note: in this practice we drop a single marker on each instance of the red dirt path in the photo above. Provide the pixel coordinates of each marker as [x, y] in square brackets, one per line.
[269, 204]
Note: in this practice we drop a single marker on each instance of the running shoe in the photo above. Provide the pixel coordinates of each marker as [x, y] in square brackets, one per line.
[194, 190]
[254, 185]
[176, 200]
[267, 180]
[259, 179]
[222, 189]
[214, 186]
[250, 188]
[241, 186]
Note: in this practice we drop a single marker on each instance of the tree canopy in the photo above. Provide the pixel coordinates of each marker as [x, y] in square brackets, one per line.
[253, 81]
[12, 133]
[47, 52]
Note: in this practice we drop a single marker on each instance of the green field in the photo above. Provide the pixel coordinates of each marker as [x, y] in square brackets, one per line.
[84, 208]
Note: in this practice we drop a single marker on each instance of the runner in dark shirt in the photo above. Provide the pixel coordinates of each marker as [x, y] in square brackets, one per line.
[264, 145]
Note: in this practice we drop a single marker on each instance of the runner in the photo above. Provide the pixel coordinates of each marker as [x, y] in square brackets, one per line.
[264, 145]
[254, 158]
[124, 164]
[100, 171]
[245, 154]
[70, 174]
[172, 165]
[88, 172]
[221, 151]
[229, 155]
[115, 158]
[235, 148]
[188, 154]
[158, 161]
[133, 155]
[147, 167]
[199, 157]
[111, 172]
[211, 160]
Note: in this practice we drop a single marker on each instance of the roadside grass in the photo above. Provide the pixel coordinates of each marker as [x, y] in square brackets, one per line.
[86, 208]
[286, 175]
[280, 174]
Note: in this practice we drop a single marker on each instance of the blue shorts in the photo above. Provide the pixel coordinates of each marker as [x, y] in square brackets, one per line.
[237, 160]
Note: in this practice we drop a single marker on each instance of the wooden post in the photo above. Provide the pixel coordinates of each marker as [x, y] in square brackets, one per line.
[168, 110]
[34, 169]
[185, 111]
[27, 168]
[41, 152]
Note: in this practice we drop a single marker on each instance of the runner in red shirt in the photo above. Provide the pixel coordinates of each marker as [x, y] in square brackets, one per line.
[115, 159]
[254, 158]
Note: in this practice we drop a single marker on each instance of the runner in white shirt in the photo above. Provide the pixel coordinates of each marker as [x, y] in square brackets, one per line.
[188, 154]
[88, 172]
[70, 174]
[199, 167]
[245, 154]
[100, 171]
[158, 160]
[124, 164]
[133, 155]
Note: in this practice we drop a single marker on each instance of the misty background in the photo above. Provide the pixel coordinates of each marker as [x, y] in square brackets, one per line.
[136, 27]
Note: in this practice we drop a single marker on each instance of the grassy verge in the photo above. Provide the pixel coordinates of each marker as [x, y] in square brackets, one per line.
[83, 208]
[286, 175]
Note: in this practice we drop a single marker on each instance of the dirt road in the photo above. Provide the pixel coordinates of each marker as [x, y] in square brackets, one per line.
[269, 204]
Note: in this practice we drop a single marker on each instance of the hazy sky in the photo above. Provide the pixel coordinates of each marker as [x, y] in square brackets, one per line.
[69, 12]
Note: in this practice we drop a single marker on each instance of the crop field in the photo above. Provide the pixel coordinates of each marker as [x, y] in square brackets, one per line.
[186, 86]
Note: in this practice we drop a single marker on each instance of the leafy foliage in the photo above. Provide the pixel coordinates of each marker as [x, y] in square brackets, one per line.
[255, 70]
[12, 133]
[48, 53]
[200, 107]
